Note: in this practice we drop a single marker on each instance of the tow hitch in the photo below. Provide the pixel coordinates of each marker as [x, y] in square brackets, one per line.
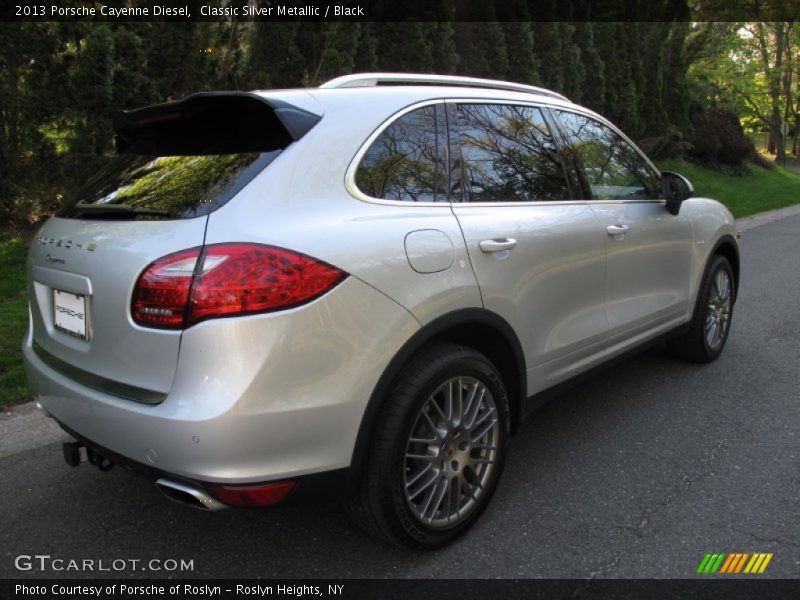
[72, 456]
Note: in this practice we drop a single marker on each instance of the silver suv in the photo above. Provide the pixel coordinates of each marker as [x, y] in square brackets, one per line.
[361, 288]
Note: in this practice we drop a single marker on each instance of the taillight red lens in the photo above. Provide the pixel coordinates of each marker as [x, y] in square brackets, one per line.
[162, 293]
[252, 495]
[233, 279]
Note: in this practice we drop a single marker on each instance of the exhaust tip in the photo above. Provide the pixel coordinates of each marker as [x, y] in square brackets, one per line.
[188, 495]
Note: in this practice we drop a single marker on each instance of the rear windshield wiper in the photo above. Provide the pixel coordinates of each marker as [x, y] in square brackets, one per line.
[121, 211]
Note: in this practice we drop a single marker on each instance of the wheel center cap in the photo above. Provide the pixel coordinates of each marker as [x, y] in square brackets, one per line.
[449, 450]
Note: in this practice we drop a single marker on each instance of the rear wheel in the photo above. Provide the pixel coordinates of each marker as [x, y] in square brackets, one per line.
[439, 449]
[709, 328]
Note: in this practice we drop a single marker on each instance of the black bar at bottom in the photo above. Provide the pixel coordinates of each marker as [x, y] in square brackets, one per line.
[403, 589]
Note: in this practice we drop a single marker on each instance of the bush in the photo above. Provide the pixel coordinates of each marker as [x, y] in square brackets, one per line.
[718, 139]
[670, 145]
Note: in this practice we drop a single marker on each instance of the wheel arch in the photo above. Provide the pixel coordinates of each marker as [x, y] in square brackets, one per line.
[477, 328]
[726, 246]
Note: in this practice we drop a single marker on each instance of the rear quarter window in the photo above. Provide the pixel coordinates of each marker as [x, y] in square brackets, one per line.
[406, 161]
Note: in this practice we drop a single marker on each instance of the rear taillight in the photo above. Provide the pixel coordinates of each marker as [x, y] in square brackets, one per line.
[162, 292]
[224, 280]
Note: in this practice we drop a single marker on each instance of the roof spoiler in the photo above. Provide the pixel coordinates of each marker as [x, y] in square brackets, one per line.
[212, 123]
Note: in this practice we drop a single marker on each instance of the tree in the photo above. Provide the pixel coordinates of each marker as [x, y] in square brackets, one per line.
[405, 47]
[547, 47]
[338, 52]
[366, 58]
[273, 55]
[92, 89]
[752, 70]
[482, 49]
[518, 39]
[594, 80]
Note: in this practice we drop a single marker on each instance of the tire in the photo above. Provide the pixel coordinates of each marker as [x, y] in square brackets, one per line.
[443, 455]
[714, 306]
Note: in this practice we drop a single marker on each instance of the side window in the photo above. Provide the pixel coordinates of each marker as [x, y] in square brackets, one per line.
[508, 154]
[406, 161]
[613, 169]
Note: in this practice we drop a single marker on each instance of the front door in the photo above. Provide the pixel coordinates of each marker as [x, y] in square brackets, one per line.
[649, 250]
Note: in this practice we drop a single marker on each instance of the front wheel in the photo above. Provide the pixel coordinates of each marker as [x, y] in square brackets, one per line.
[438, 451]
[708, 331]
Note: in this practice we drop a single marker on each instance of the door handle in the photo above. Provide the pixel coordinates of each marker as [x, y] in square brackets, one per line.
[617, 229]
[497, 245]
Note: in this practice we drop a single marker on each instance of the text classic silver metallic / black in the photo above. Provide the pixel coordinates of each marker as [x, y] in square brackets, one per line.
[360, 288]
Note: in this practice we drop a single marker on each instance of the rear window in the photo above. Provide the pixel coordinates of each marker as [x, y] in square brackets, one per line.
[138, 186]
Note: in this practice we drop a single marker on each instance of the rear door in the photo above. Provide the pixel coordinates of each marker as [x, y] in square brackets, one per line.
[537, 251]
[649, 249]
[178, 162]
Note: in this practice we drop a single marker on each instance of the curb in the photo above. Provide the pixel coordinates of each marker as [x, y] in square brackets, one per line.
[764, 218]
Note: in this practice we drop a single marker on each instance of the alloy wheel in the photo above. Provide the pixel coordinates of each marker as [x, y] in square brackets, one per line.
[718, 312]
[451, 452]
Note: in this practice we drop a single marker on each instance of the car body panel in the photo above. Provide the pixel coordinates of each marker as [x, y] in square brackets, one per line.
[103, 259]
[711, 222]
[255, 398]
[550, 286]
[365, 239]
[648, 267]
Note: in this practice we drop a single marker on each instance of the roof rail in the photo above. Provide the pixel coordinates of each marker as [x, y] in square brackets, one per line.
[375, 79]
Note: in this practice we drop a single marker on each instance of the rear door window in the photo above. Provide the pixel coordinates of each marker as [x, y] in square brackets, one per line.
[508, 155]
[406, 161]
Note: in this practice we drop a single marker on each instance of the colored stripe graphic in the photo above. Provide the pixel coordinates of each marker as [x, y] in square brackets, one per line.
[727, 564]
[734, 563]
[730, 565]
[764, 564]
[703, 563]
[753, 562]
[717, 563]
[710, 563]
[740, 564]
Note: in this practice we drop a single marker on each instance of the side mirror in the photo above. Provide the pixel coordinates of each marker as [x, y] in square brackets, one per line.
[676, 189]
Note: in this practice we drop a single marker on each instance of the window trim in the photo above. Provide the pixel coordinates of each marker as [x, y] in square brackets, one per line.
[350, 173]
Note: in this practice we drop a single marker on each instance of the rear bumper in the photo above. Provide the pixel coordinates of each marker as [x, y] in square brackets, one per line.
[255, 399]
[308, 488]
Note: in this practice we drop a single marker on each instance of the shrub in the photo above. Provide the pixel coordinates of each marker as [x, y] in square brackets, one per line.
[718, 139]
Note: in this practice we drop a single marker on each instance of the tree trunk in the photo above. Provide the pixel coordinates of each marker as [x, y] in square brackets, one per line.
[775, 93]
[787, 81]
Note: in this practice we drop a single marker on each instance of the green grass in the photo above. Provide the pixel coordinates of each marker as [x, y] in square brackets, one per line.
[13, 318]
[763, 189]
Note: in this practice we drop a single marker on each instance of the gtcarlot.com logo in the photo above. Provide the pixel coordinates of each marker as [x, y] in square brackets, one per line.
[734, 563]
[46, 562]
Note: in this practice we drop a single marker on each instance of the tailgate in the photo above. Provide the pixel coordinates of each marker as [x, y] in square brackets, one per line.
[97, 264]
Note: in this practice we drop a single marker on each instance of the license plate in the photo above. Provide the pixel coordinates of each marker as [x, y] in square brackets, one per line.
[69, 313]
